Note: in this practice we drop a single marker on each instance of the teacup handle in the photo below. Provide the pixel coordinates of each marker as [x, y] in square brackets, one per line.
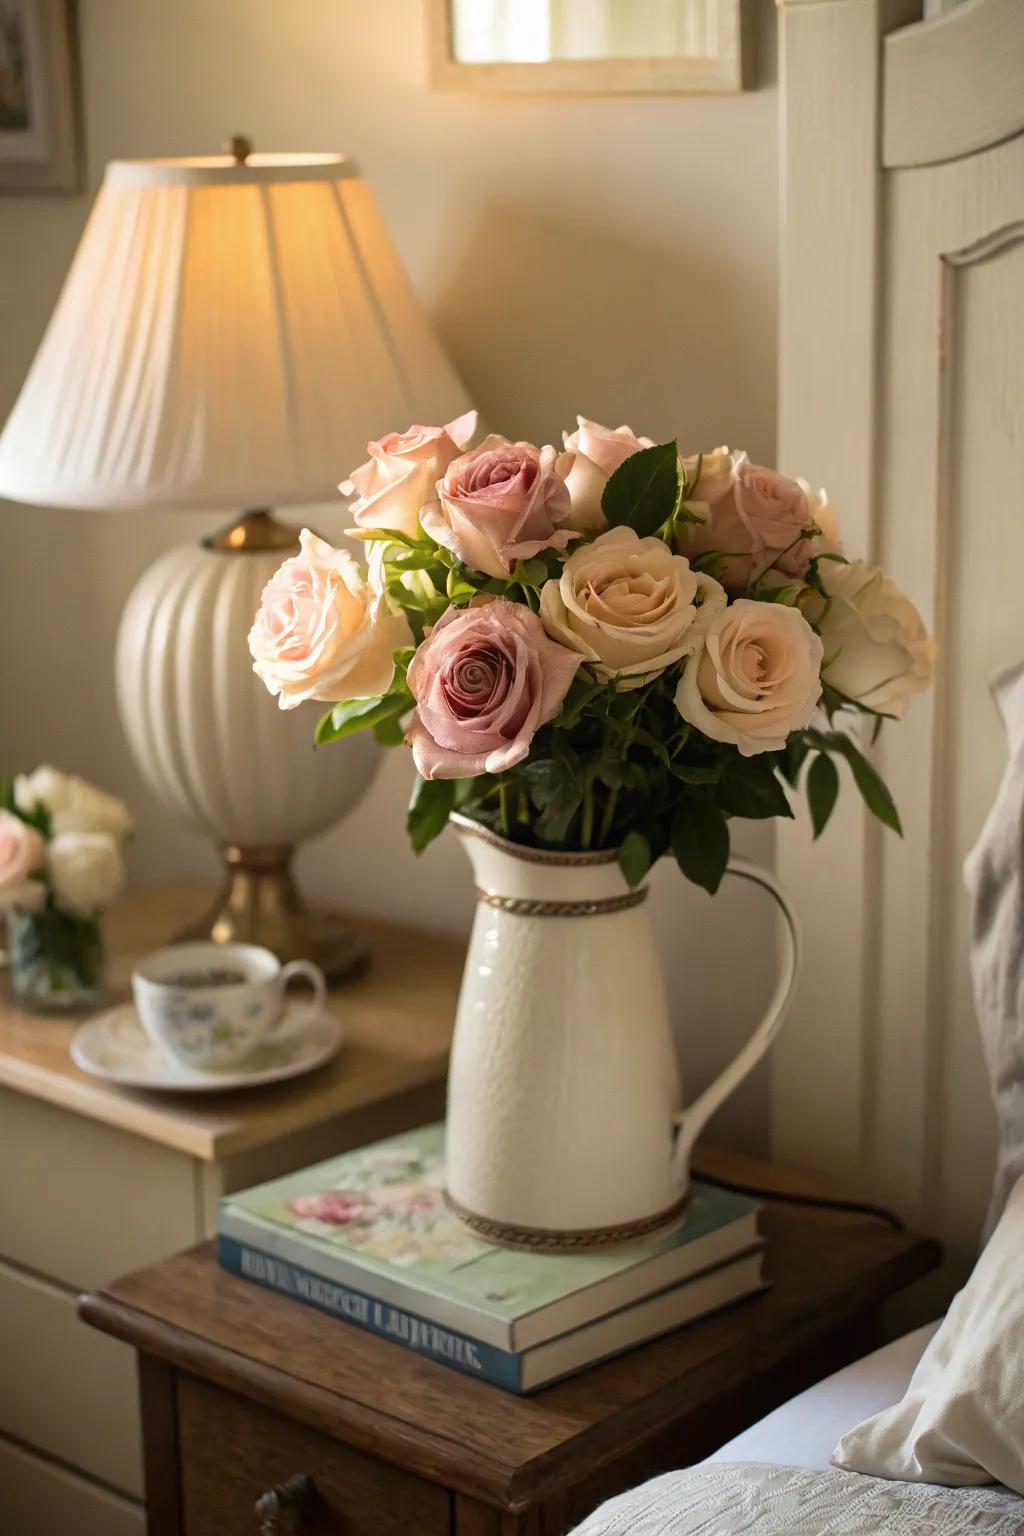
[308, 972]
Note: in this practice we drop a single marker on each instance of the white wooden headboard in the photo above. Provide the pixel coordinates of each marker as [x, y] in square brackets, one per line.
[902, 390]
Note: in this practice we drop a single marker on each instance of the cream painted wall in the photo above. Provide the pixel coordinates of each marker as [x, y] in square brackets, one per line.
[614, 255]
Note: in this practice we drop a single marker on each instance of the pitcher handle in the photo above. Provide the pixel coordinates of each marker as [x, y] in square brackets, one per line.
[691, 1121]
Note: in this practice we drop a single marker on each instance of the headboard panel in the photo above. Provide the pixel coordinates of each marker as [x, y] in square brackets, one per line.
[902, 390]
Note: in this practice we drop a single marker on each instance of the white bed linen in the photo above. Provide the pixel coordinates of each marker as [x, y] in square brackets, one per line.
[804, 1431]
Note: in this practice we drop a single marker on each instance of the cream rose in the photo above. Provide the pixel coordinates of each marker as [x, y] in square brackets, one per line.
[322, 631]
[757, 679]
[598, 451]
[398, 478]
[22, 854]
[877, 649]
[86, 871]
[73, 804]
[629, 606]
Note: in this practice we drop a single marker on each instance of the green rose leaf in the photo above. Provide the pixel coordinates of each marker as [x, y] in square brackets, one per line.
[634, 857]
[644, 491]
[700, 841]
[432, 802]
[822, 789]
[354, 715]
[750, 788]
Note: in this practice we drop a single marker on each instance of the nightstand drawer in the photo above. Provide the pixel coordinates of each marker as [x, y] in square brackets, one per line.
[63, 1388]
[233, 1450]
[82, 1202]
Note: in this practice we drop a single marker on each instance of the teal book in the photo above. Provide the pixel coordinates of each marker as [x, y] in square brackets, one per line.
[367, 1237]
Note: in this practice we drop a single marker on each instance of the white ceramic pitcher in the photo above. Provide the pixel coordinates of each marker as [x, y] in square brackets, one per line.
[566, 1128]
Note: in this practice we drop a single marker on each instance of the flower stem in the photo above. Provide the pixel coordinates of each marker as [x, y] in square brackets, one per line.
[503, 807]
[587, 830]
[608, 817]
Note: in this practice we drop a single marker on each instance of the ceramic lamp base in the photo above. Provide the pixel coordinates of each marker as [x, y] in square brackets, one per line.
[260, 904]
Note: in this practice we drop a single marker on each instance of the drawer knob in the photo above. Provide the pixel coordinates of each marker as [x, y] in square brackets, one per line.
[282, 1511]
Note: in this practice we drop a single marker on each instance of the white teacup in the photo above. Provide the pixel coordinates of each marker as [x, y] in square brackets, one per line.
[209, 1006]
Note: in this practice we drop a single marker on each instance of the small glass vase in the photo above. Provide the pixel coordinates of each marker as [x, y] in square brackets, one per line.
[57, 960]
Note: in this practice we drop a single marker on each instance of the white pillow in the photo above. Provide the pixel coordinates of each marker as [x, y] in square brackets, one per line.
[961, 1422]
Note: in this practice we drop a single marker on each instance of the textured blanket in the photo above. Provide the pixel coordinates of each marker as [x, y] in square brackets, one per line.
[749, 1499]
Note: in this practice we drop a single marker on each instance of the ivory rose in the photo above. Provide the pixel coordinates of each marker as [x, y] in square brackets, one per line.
[877, 649]
[757, 520]
[22, 854]
[757, 678]
[629, 606]
[73, 804]
[598, 451]
[484, 680]
[86, 871]
[322, 631]
[500, 503]
[398, 478]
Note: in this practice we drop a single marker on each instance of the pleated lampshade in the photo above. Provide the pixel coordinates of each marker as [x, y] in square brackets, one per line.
[230, 335]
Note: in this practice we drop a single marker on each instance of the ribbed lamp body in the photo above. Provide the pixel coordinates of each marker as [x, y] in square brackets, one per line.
[211, 743]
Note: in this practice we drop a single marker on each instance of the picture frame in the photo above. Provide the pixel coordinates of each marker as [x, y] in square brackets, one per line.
[726, 67]
[39, 149]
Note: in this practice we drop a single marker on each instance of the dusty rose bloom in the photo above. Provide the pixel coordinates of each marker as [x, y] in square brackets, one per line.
[398, 478]
[483, 681]
[757, 520]
[501, 503]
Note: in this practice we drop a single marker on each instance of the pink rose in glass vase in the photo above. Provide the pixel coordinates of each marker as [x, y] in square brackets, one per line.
[22, 854]
[758, 521]
[398, 478]
[484, 680]
[501, 503]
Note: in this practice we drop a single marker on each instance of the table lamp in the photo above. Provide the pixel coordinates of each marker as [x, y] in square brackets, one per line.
[231, 333]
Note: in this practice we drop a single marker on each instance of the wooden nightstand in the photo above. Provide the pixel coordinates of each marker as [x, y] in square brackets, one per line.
[98, 1180]
[249, 1396]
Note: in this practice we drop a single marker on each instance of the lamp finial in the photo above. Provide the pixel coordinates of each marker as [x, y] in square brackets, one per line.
[238, 147]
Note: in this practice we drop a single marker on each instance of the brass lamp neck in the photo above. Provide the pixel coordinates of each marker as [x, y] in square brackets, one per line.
[254, 533]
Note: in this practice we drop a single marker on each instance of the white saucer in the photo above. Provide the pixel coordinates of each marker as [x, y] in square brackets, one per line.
[115, 1046]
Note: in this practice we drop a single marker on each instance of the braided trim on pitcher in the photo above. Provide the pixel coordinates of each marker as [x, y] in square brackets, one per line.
[550, 1240]
[525, 906]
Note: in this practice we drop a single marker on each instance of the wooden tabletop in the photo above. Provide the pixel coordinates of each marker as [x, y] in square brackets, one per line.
[826, 1270]
[398, 1021]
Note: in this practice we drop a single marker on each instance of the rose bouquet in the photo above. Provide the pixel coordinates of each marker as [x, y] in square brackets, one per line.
[612, 646]
[61, 864]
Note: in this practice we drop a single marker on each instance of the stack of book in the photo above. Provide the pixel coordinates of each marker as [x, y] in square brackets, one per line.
[367, 1238]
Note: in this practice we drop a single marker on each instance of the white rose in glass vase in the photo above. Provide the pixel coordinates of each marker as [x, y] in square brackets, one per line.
[86, 871]
[877, 650]
[47, 788]
[757, 678]
[629, 606]
[74, 805]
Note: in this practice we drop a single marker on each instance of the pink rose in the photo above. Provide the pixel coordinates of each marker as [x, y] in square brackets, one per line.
[757, 519]
[598, 451]
[323, 632]
[398, 477]
[22, 853]
[500, 503]
[484, 681]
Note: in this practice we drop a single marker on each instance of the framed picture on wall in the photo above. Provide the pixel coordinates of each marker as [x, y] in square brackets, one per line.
[38, 127]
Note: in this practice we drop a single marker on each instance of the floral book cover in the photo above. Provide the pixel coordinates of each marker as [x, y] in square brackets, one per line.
[376, 1219]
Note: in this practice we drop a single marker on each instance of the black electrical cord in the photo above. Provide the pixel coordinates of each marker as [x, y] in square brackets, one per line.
[817, 1202]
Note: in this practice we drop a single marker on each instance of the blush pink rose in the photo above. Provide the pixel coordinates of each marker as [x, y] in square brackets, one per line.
[757, 520]
[22, 853]
[484, 681]
[597, 453]
[500, 503]
[399, 476]
[322, 631]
